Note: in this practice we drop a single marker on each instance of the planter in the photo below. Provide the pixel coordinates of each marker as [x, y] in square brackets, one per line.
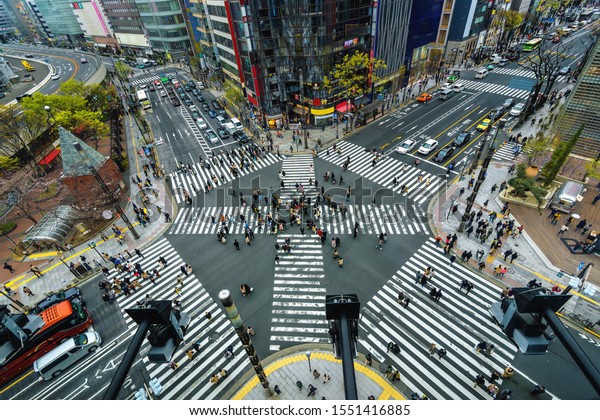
[532, 171]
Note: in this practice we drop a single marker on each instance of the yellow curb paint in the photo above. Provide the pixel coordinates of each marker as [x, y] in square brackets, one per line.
[43, 254]
[388, 390]
[16, 381]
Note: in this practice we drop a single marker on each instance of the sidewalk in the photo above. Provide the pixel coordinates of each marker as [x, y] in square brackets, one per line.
[57, 275]
[531, 263]
[292, 374]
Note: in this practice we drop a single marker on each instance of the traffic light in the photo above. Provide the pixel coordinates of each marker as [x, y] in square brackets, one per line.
[165, 338]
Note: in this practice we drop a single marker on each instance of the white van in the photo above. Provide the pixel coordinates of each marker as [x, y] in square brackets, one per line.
[458, 87]
[237, 123]
[481, 73]
[446, 94]
[496, 58]
[55, 362]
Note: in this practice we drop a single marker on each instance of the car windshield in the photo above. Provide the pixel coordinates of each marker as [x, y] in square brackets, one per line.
[406, 144]
[80, 340]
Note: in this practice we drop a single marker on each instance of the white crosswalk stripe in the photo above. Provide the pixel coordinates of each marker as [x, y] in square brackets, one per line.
[506, 152]
[299, 170]
[385, 170]
[150, 79]
[193, 182]
[298, 314]
[393, 219]
[191, 380]
[519, 72]
[456, 323]
[495, 88]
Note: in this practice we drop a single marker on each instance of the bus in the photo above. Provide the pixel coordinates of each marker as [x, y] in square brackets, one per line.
[532, 45]
[143, 99]
[24, 338]
[27, 66]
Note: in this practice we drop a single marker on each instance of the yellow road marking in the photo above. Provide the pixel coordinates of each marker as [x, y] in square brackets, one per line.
[16, 382]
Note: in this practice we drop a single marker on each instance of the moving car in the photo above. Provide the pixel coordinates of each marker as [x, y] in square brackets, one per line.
[212, 137]
[200, 98]
[428, 147]
[444, 154]
[503, 62]
[27, 78]
[423, 97]
[195, 114]
[205, 107]
[216, 105]
[55, 76]
[489, 67]
[462, 138]
[83, 60]
[406, 146]
[509, 103]
[517, 109]
[565, 70]
[28, 55]
[496, 113]
[222, 133]
[163, 92]
[201, 123]
[241, 137]
[484, 125]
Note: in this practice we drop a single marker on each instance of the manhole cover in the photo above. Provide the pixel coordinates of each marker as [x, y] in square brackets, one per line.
[214, 337]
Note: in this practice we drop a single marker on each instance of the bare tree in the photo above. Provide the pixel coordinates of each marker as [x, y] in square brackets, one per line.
[545, 63]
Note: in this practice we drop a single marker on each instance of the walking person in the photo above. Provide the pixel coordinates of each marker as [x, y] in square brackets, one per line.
[35, 270]
[27, 291]
[9, 267]
[139, 253]
[563, 229]
[236, 245]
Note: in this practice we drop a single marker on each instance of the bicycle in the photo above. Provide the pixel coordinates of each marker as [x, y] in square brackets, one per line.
[580, 319]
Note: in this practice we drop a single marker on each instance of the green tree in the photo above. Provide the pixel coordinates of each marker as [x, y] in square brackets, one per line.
[512, 20]
[522, 185]
[233, 94]
[98, 97]
[351, 76]
[537, 147]
[559, 156]
[8, 163]
[122, 70]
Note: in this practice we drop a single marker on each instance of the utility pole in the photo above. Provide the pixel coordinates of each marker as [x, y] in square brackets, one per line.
[481, 177]
[240, 329]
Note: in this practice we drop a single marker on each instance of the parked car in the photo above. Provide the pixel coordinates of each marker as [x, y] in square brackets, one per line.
[188, 101]
[216, 105]
[212, 137]
[462, 138]
[406, 147]
[187, 88]
[201, 123]
[517, 109]
[496, 113]
[428, 147]
[163, 93]
[200, 98]
[484, 125]
[503, 62]
[83, 60]
[444, 154]
[489, 67]
[195, 114]
[424, 97]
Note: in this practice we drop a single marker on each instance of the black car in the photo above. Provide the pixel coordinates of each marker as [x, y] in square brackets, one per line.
[28, 55]
[462, 138]
[191, 83]
[188, 101]
[222, 133]
[200, 98]
[241, 137]
[195, 115]
[508, 104]
[205, 107]
[216, 105]
[496, 113]
[444, 154]
[176, 103]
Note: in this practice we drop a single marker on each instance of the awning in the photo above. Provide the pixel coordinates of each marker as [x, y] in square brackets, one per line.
[55, 226]
[49, 157]
[326, 111]
[343, 107]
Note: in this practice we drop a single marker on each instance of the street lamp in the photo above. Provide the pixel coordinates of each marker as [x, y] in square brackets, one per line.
[308, 357]
[93, 246]
[73, 271]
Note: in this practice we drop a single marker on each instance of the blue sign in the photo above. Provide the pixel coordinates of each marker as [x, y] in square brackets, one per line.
[380, 97]
[581, 265]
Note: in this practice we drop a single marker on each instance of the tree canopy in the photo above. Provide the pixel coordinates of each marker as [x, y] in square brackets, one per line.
[352, 74]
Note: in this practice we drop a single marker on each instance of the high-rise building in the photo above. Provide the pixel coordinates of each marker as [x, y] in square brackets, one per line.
[166, 28]
[390, 34]
[427, 35]
[60, 19]
[583, 109]
[92, 20]
[201, 24]
[7, 20]
[42, 25]
[470, 19]
[127, 25]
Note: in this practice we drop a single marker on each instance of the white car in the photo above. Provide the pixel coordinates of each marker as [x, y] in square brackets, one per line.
[406, 147]
[428, 147]
[212, 136]
[201, 123]
[163, 93]
[194, 108]
[55, 76]
[517, 109]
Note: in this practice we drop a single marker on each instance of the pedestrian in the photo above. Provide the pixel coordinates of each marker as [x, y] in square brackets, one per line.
[250, 330]
[9, 267]
[190, 354]
[469, 287]
[35, 270]
[276, 258]
[315, 373]
[539, 389]
[326, 378]
[139, 253]
[508, 372]
[340, 262]
[432, 349]
[563, 229]
[513, 257]
[183, 269]
[277, 390]
[311, 390]
[479, 381]
[595, 200]
[208, 316]
[27, 291]
[173, 365]
[406, 302]
[441, 353]
[507, 253]
[236, 245]
[368, 359]
[452, 259]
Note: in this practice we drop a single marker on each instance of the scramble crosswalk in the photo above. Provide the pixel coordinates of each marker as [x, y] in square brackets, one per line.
[298, 314]
[519, 72]
[385, 170]
[191, 380]
[194, 181]
[299, 170]
[456, 323]
[150, 79]
[393, 219]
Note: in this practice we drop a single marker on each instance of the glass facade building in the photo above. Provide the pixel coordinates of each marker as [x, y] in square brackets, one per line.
[165, 26]
[59, 16]
[583, 109]
[423, 29]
